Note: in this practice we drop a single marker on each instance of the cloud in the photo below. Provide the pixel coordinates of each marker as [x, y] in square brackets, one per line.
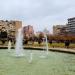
[39, 13]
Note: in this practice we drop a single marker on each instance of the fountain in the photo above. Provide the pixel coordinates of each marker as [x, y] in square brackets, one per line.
[45, 53]
[19, 43]
[19, 46]
[31, 57]
[9, 46]
[46, 44]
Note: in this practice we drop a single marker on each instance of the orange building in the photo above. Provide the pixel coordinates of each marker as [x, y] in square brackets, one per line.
[28, 31]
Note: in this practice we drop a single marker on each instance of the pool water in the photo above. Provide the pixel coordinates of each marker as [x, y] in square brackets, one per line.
[54, 64]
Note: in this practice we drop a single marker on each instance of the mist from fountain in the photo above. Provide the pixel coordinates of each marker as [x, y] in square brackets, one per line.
[46, 44]
[9, 46]
[19, 43]
[31, 57]
[45, 48]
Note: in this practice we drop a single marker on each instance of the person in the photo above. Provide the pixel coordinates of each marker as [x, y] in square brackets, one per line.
[67, 43]
[50, 41]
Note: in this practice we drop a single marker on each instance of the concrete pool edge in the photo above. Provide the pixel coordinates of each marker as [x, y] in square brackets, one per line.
[63, 50]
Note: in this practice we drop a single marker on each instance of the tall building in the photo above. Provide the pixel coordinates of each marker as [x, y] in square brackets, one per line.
[71, 25]
[59, 29]
[11, 27]
[28, 31]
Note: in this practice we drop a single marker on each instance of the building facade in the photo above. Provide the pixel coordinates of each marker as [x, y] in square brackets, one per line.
[11, 27]
[28, 31]
[59, 29]
[71, 25]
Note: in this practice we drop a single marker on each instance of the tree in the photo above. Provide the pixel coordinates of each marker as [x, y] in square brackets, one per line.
[25, 40]
[3, 36]
[40, 38]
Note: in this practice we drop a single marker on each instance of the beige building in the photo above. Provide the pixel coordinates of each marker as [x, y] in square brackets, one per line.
[59, 29]
[11, 27]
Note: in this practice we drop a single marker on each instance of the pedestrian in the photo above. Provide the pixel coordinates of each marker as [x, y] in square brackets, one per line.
[67, 43]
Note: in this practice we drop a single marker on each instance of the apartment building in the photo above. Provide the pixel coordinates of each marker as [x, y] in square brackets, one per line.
[59, 29]
[71, 25]
[28, 31]
[11, 27]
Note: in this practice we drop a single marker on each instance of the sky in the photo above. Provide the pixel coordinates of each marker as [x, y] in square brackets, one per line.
[40, 14]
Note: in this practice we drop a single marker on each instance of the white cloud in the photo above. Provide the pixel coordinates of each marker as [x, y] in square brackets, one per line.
[39, 13]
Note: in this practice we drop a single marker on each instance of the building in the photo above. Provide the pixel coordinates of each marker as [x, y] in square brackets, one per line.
[71, 25]
[11, 27]
[59, 30]
[28, 31]
[14, 26]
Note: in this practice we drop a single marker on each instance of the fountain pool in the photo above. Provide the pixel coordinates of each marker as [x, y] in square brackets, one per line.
[54, 64]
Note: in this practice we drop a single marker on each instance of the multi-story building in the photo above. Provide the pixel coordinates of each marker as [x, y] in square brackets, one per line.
[71, 25]
[28, 31]
[14, 26]
[59, 29]
[11, 27]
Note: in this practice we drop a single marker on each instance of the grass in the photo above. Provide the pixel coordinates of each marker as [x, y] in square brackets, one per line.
[54, 64]
[60, 45]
